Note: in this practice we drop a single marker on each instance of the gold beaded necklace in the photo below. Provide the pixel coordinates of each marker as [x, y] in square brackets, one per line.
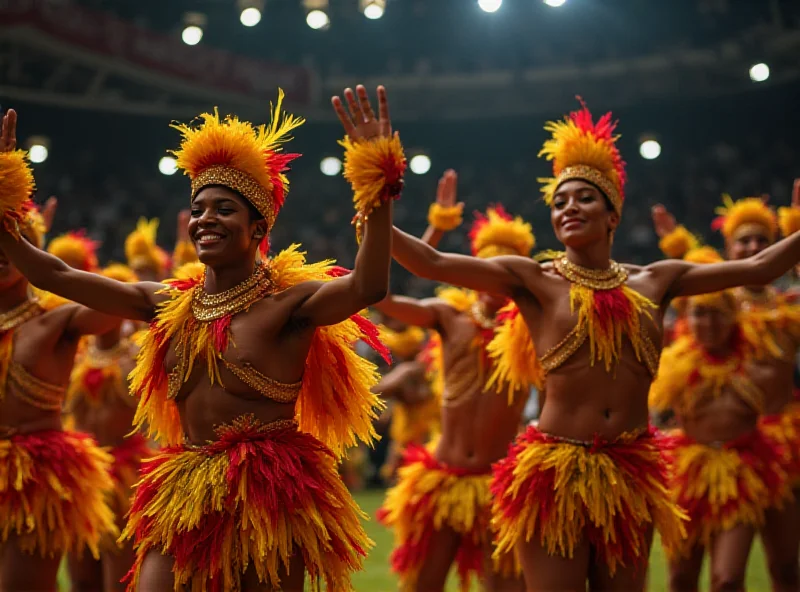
[19, 314]
[596, 279]
[210, 307]
[478, 313]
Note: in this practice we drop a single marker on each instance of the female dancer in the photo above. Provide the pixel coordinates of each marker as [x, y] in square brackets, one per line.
[579, 496]
[52, 481]
[244, 365]
[727, 474]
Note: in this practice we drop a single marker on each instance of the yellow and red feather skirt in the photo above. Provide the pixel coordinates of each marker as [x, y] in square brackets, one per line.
[52, 492]
[256, 496]
[126, 468]
[610, 493]
[784, 429]
[722, 486]
[429, 496]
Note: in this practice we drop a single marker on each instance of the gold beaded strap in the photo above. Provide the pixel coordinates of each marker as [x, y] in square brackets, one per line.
[561, 352]
[34, 391]
[281, 392]
[20, 314]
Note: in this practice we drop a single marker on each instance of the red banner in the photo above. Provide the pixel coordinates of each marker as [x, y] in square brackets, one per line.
[110, 36]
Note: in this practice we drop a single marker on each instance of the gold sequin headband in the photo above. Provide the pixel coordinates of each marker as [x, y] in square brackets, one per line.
[240, 182]
[595, 177]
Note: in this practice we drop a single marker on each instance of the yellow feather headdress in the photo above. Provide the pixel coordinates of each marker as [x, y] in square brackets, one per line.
[236, 154]
[582, 149]
[724, 300]
[75, 249]
[141, 250]
[497, 233]
[119, 272]
[405, 343]
[746, 215]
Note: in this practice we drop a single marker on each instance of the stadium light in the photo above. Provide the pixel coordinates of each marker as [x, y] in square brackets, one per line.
[317, 14]
[193, 27]
[420, 164]
[38, 149]
[330, 166]
[250, 14]
[490, 5]
[650, 149]
[759, 72]
[555, 3]
[373, 9]
[167, 165]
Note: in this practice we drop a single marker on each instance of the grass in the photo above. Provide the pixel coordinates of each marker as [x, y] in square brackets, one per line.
[376, 576]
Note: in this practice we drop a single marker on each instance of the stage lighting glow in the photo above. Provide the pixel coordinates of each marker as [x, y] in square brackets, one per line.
[317, 19]
[650, 149]
[250, 17]
[759, 72]
[330, 166]
[373, 11]
[38, 153]
[490, 5]
[555, 3]
[192, 35]
[420, 164]
[167, 165]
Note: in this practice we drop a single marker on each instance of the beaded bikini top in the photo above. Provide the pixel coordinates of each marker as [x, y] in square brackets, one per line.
[606, 309]
[25, 386]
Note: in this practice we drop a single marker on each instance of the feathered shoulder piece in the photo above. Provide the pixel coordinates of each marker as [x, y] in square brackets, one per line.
[771, 322]
[336, 403]
[459, 298]
[497, 233]
[246, 158]
[687, 371]
[516, 364]
[749, 214]
[583, 149]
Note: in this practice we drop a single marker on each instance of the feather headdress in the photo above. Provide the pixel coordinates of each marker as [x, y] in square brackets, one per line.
[744, 216]
[582, 149]
[497, 233]
[141, 250]
[236, 154]
[75, 249]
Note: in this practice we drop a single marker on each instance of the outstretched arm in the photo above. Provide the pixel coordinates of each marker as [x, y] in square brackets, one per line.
[446, 199]
[135, 301]
[394, 383]
[689, 279]
[498, 275]
[335, 301]
[418, 313]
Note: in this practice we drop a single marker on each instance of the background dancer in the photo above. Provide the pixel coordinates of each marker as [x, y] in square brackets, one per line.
[596, 413]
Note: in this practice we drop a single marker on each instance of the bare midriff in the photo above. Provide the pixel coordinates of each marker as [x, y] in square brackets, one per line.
[718, 419]
[205, 406]
[584, 400]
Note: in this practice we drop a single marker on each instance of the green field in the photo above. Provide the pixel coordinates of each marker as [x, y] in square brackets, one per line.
[377, 578]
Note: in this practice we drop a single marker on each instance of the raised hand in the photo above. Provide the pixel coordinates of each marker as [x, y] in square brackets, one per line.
[49, 212]
[360, 122]
[663, 221]
[796, 194]
[446, 194]
[8, 131]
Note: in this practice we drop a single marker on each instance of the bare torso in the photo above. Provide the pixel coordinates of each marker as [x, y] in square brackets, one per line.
[262, 337]
[477, 425]
[586, 400]
[45, 352]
